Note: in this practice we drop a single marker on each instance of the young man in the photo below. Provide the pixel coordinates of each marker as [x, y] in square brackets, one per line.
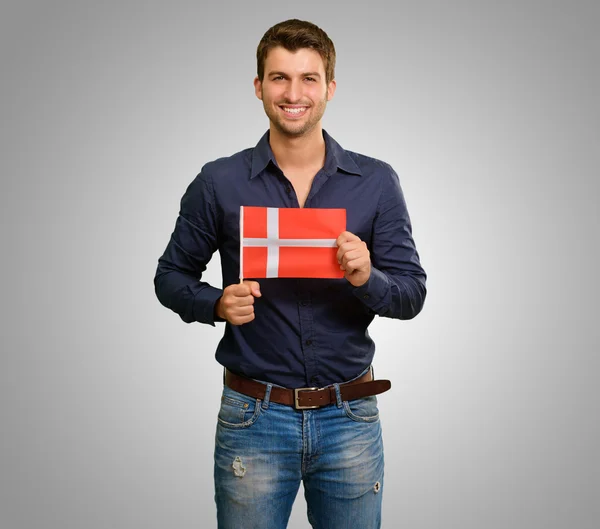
[283, 335]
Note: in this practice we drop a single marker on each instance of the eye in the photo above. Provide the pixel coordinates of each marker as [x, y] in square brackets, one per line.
[278, 78]
[312, 79]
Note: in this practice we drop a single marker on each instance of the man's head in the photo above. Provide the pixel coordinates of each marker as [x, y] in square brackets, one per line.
[295, 75]
[293, 35]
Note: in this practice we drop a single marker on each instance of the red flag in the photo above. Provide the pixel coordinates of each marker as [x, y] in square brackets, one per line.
[290, 242]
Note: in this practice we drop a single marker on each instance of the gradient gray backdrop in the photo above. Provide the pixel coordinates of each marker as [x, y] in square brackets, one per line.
[489, 113]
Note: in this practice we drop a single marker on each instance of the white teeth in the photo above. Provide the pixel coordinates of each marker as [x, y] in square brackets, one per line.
[294, 110]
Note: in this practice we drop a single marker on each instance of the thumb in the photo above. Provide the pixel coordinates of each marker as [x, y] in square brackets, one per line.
[346, 236]
[254, 287]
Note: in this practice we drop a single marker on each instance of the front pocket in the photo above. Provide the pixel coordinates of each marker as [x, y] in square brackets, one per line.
[238, 412]
[362, 410]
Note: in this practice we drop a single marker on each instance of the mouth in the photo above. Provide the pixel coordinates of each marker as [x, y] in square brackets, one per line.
[293, 111]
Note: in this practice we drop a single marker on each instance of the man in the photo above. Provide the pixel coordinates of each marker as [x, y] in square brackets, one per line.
[284, 334]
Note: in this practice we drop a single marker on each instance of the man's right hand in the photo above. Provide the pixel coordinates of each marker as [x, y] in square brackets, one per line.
[236, 305]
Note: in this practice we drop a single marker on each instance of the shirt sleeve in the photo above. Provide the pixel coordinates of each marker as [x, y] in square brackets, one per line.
[396, 287]
[194, 240]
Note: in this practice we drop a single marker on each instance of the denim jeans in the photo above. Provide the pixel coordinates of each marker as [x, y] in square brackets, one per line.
[263, 450]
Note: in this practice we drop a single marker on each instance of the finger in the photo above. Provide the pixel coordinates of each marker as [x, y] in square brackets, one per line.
[346, 236]
[352, 255]
[242, 311]
[244, 301]
[239, 290]
[254, 288]
[231, 300]
[344, 248]
[242, 320]
[348, 247]
[357, 264]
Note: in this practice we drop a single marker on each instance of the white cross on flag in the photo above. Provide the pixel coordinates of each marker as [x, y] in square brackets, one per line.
[290, 242]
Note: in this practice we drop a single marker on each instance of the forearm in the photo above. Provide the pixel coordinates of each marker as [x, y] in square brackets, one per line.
[396, 287]
[178, 280]
[399, 295]
[193, 300]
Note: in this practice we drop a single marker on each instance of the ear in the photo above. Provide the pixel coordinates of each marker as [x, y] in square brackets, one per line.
[331, 89]
[258, 87]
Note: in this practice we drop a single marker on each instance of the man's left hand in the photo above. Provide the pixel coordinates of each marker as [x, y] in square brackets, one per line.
[354, 258]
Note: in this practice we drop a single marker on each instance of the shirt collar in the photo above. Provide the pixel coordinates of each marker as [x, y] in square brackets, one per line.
[335, 156]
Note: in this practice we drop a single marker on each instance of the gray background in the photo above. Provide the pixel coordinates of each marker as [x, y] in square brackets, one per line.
[489, 113]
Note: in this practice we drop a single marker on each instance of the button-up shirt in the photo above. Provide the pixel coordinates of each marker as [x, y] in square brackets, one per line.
[307, 332]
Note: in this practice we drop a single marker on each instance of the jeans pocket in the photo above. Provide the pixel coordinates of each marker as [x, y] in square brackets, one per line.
[362, 410]
[238, 410]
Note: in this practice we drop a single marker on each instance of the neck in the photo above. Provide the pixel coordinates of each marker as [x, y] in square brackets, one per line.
[298, 152]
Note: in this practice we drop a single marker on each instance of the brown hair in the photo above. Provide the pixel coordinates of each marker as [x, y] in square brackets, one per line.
[293, 35]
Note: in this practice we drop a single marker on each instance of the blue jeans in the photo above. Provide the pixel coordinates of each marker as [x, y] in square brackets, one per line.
[264, 449]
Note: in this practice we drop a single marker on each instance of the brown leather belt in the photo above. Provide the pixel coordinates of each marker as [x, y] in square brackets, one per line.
[308, 398]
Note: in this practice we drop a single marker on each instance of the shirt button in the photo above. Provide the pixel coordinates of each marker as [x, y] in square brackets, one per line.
[366, 296]
[313, 379]
[304, 303]
[308, 342]
[288, 190]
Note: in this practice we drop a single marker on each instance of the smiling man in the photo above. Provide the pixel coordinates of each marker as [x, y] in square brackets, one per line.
[299, 398]
[294, 90]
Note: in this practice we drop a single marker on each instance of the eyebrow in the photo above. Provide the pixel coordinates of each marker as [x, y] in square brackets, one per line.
[305, 74]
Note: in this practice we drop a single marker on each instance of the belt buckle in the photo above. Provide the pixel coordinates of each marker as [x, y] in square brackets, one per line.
[297, 405]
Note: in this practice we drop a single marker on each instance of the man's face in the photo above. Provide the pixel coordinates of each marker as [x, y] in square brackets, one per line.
[294, 91]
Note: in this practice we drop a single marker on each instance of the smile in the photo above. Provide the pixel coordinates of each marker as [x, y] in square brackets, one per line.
[294, 111]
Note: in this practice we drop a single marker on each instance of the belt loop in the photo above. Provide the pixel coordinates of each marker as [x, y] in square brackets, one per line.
[267, 399]
[338, 396]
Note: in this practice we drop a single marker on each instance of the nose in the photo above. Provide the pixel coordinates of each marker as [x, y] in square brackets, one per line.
[294, 91]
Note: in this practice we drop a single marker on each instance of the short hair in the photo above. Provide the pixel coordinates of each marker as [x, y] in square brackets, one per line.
[294, 34]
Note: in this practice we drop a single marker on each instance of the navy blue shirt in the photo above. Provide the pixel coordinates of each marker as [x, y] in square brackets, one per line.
[306, 332]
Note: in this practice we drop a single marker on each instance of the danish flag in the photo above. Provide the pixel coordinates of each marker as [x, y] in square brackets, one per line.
[290, 242]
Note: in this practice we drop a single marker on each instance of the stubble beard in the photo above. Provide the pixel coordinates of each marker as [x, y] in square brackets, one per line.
[292, 129]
